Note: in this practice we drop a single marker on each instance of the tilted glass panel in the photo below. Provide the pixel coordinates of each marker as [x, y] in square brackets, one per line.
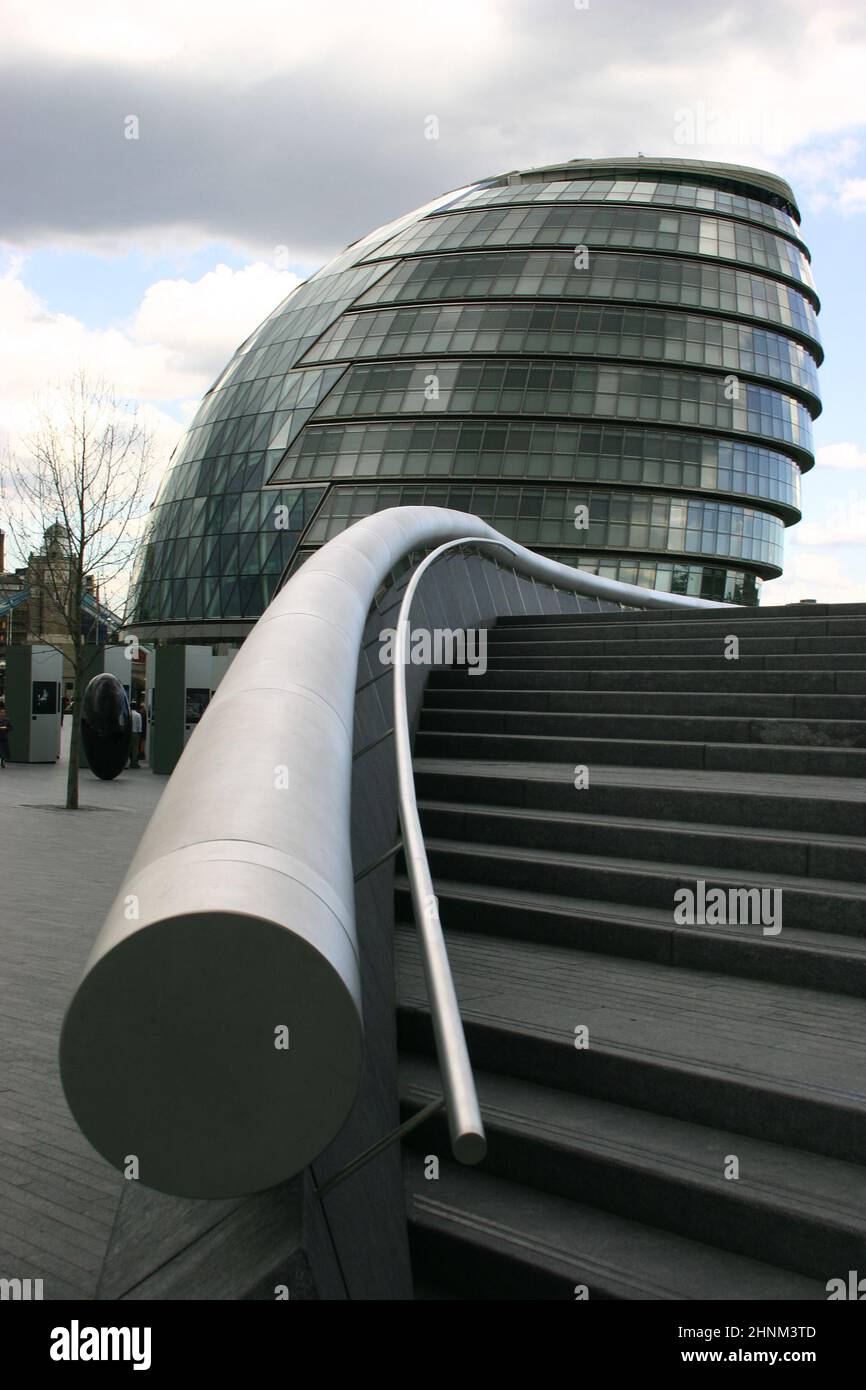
[232, 433]
[560, 452]
[568, 330]
[358, 249]
[671, 576]
[545, 518]
[540, 275]
[679, 233]
[724, 585]
[520, 386]
[245, 562]
[659, 192]
[278, 343]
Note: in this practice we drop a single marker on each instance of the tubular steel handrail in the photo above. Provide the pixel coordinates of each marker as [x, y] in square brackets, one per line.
[468, 1142]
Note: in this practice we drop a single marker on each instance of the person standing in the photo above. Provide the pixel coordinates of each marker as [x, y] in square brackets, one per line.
[135, 737]
[5, 731]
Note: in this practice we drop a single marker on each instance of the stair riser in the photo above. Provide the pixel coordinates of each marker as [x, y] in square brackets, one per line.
[687, 948]
[659, 845]
[639, 649]
[783, 613]
[479, 1273]
[801, 761]
[816, 733]
[681, 681]
[766, 1113]
[472, 696]
[667, 803]
[689, 1205]
[645, 691]
[553, 659]
[834, 633]
[810, 909]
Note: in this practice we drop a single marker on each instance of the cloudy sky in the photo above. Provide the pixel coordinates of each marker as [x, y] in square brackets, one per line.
[270, 135]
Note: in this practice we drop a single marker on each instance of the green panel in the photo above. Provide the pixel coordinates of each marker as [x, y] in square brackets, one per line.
[167, 729]
[17, 698]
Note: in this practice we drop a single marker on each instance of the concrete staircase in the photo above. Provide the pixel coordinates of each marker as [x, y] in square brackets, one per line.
[706, 1044]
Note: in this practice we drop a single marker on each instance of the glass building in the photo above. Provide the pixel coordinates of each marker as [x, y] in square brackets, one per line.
[612, 361]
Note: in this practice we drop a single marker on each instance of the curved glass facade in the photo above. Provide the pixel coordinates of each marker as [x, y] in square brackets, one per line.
[642, 279]
[487, 449]
[641, 191]
[677, 233]
[541, 330]
[538, 517]
[563, 390]
[617, 369]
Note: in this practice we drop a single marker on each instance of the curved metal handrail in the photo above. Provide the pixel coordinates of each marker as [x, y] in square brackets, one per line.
[236, 916]
[468, 1142]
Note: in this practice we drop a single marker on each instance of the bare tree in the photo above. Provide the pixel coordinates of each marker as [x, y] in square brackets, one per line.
[80, 489]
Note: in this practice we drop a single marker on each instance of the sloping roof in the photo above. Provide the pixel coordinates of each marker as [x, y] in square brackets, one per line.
[743, 177]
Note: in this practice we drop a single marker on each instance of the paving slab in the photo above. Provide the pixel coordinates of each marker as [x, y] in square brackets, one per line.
[59, 871]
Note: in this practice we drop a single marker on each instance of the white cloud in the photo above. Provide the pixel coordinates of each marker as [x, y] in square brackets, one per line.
[199, 323]
[161, 360]
[306, 124]
[852, 196]
[843, 522]
[847, 456]
[170, 350]
[217, 39]
[819, 575]
[850, 531]
[817, 170]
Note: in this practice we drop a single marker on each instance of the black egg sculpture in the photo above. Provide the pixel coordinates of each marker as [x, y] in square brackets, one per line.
[106, 726]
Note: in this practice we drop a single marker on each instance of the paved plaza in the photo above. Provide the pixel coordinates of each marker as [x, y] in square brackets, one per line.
[59, 871]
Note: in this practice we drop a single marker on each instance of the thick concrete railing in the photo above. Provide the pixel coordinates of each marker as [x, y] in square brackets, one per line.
[216, 1035]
